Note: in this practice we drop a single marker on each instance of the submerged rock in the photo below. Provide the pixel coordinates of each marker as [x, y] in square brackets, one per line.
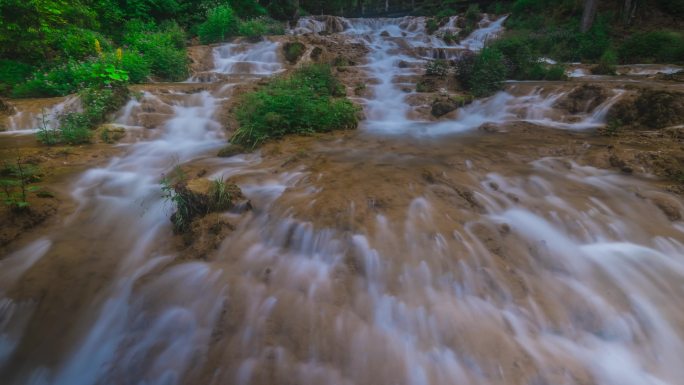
[584, 98]
[443, 106]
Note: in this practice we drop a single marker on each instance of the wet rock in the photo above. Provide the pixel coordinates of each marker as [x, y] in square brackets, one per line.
[443, 106]
[110, 133]
[231, 150]
[668, 207]
[6, 108]
[385, 34]
[316, 53]
[403, 64]
[152, 120]
[333, 24]
[584, 98]
[620, 164]
[201, 59]
[489, 128]
[673, 77]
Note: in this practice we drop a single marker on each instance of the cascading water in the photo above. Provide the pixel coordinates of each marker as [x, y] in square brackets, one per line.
[375, 261]
[33, 114]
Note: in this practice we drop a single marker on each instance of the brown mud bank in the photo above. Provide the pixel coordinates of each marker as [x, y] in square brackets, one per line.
[55, 168]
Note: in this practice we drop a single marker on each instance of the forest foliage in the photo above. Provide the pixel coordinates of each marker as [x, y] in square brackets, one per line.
[58, 47]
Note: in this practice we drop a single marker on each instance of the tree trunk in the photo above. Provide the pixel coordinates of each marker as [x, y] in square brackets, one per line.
[588, 15]
[628, 11]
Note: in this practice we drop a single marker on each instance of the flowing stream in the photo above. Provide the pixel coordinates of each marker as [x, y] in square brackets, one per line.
[414, 252]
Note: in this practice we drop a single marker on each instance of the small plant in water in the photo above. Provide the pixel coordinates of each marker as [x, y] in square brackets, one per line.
[46, 134]
[169, 185]
[15, 184]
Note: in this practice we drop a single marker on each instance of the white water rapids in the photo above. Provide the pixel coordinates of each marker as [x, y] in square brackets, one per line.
[467, 271]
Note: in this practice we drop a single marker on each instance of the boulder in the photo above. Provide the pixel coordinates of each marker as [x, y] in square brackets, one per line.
[443, 106]
[584, 98]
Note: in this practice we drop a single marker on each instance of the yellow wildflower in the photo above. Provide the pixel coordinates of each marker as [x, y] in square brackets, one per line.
[119, 54]
[98, 48]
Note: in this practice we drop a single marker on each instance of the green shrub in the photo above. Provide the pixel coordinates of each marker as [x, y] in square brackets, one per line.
[283, 9]
[293, 51]
[595, 42]
[61, 80]
[606, 65]
[68, 78]
[247, 8]
[12, 73]
[654, 46]
[498, 8]
[162, 48]
[555, 72]
[488, 73]
[221, 23]
[303, 103]
[78, 43]
[431, 26]
[253, 28]
[472, 14]
[135, 65]
[519, 57]
[76, 127]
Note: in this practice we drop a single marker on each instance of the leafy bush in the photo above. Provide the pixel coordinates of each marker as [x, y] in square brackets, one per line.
[606, 65]
[247, 8]
[163, 49]
[283, 9]
[303, 103]
[61, 80]
[12, 73]
[79, 43]
[654, 46]
[293, 51]
[555, 72]
[253, 28]
[487, 73]
[519, 57]
[69, 78]
[136, 66]
[221, 23]
[75, 127]
[472, 14]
